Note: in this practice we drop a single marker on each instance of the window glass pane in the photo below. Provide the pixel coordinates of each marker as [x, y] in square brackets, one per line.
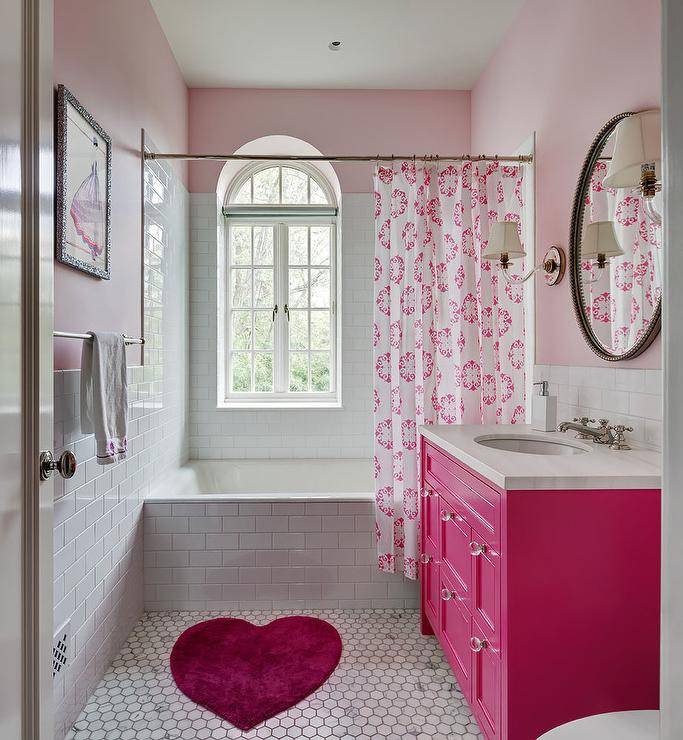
[320, 372]
[320, 245]
[267, 186]
[241, 372]
[263, 372]
[298, 329]
[263, 289]
[298, 372]
[298, 245]
[298, 288]
[318, 196]
[320, 288]
[240, 242]
[241, 288]
[320, 330]
[263, 330]
[241, 330]
[263, 245]
[243, 195]
[294, 186]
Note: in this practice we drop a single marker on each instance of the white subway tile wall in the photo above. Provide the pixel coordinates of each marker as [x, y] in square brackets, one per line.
[98, 563]
[313, 555]
[230, 433]
[631, 396]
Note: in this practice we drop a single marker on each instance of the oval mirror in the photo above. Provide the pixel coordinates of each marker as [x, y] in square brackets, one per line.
[615, 257]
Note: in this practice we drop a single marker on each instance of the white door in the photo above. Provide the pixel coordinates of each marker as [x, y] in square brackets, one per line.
[25, 368]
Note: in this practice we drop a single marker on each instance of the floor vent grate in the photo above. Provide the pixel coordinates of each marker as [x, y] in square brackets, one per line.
[61, 649]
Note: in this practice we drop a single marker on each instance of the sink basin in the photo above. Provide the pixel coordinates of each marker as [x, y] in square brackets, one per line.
[531, 445]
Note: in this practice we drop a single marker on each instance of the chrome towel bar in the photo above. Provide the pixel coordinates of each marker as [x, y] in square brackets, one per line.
[76, 335]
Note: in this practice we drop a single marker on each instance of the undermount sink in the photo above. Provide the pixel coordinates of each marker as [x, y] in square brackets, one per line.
[531, 445]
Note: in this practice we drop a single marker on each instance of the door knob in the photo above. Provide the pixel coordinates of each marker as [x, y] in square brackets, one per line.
[65, 465]
[425, 558]
[477, 549]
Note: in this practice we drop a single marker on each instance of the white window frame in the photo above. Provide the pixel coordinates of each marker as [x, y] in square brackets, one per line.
[280, 217]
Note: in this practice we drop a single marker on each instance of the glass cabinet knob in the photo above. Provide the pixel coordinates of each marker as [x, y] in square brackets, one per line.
[477, 644]
[477, 548]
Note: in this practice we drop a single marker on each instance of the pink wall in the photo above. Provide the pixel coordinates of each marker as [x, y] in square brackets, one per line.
[563, 70]
[334, 121]
[116, 60]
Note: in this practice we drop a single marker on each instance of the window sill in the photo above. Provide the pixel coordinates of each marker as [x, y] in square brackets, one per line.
[275, 405]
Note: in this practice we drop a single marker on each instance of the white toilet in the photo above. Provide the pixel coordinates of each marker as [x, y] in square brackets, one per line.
[643, 725]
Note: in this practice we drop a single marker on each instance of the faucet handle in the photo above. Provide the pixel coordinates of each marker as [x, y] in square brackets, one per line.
[603, 422]
[619, 442]
[584, 420]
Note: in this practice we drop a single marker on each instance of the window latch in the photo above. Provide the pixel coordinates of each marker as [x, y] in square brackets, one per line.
[287, 311]
[274, 312]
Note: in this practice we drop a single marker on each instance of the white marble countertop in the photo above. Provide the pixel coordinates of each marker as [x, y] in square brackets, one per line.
[596, 467]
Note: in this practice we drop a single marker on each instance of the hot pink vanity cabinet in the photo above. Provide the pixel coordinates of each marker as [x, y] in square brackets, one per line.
[546, 602]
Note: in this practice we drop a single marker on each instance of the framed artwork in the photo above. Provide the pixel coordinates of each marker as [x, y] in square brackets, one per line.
[83, 189]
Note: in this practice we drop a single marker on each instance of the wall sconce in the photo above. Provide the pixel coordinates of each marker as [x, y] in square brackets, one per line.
[637, 158]
[504, 246]
[600, 244]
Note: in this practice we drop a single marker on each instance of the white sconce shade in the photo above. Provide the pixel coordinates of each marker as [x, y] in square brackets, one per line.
[600, 241]
[503, 240]
[638, 142]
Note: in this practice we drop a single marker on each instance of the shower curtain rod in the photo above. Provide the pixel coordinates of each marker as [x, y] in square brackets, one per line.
[343, 157]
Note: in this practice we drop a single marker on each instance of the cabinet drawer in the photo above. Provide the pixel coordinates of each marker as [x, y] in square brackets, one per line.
[456, 625]
[430, 516]
[455, 537]
[430, 585]
[481, 503]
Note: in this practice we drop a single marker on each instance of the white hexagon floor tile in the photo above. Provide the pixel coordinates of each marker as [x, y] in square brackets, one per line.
[392, 683]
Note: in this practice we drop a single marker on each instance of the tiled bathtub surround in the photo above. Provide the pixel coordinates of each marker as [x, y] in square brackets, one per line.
[98, 567]
[347, 432]
[630, 396]
[267, 555]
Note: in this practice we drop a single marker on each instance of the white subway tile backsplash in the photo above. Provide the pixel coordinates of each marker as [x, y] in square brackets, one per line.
[631, 396]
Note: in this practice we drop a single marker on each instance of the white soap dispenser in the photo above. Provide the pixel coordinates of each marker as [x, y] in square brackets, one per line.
[544, 409]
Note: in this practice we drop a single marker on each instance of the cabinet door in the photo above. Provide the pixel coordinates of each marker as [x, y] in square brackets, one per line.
[485, 604]
[431, 586]
[430, 516]
[455, 634]
[486, 687]
[456, 535]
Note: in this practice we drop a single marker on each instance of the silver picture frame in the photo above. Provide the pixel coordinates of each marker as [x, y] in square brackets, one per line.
[82, 196]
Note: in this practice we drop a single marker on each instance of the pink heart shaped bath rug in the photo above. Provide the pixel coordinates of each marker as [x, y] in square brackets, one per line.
[245, 673]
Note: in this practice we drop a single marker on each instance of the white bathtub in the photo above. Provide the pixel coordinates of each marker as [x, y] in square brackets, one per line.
[268, 480]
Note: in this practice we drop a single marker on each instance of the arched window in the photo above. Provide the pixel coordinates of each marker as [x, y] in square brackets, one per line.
[281, 255]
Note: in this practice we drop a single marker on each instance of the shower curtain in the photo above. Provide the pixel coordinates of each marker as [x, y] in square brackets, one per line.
[448, 329]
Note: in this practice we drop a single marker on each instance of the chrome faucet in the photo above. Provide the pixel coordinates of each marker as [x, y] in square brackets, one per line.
[601, 435]
[605, 434]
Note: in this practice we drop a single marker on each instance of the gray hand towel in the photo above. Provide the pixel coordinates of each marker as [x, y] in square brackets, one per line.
[104, 395]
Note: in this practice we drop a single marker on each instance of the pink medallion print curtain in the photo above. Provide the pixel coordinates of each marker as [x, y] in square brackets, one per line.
[622, 298]
[448, 329]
